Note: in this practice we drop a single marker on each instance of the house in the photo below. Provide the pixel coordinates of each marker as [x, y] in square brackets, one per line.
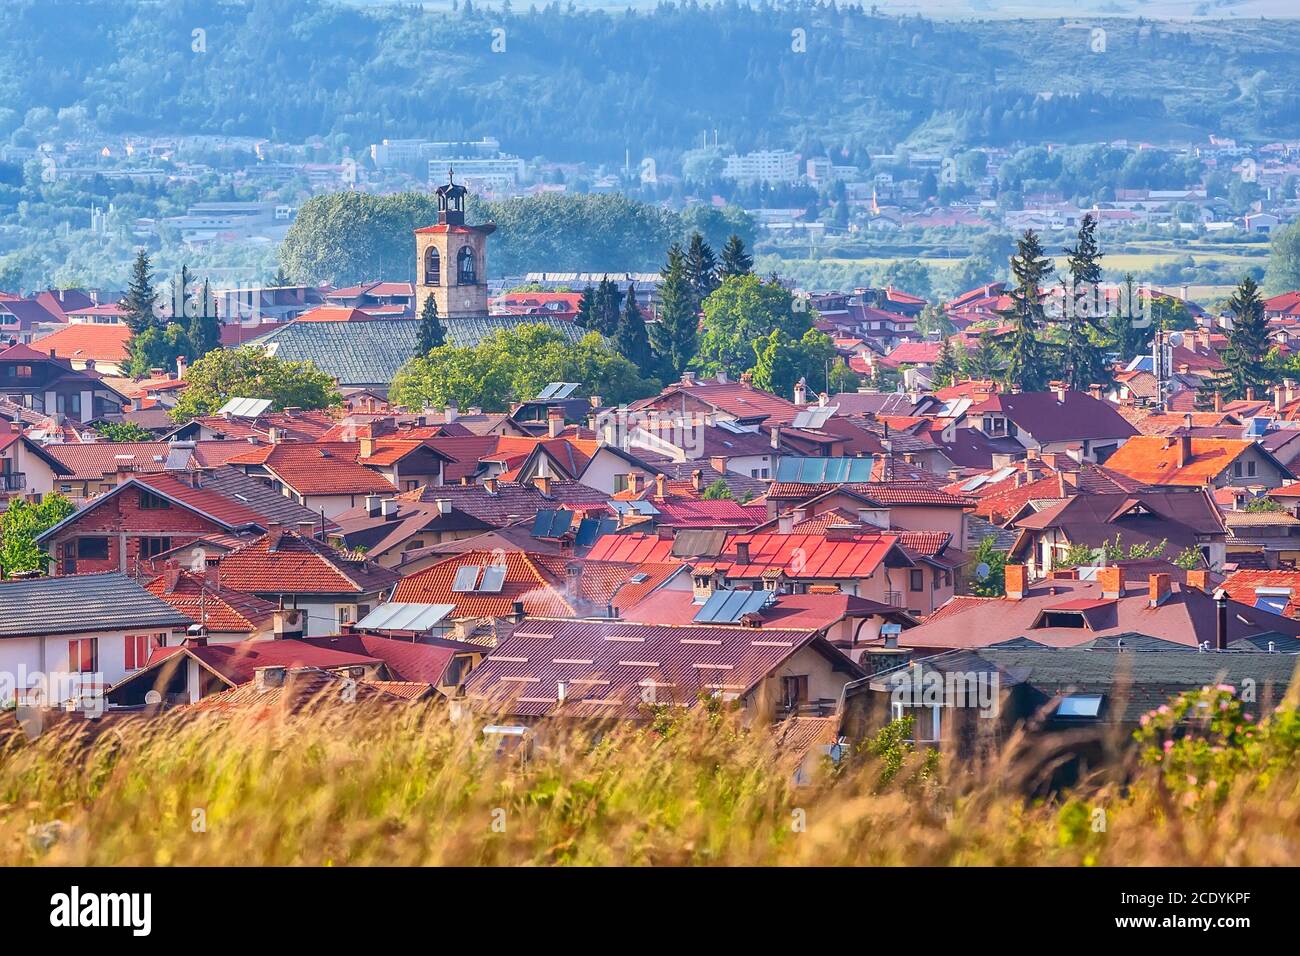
[49, 384]
[1270, 538]
[1273, 590]
[223, 615]
[1054, 421]
[1187, 460]
[387, 530]
[87, 468]
[965, 703]
[724, 400]
[325, 477]
[190, 673]
[1113, 610]
[295, 570]
[65, 638]
[25, 467]
[97, 348]
[1184, 520]
[251, 420]
[613, 669]
[152, 515]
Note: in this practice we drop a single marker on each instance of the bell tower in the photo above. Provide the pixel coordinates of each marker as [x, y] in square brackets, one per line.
[451, 258]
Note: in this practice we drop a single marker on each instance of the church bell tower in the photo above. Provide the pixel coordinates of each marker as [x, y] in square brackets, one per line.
[451, 258]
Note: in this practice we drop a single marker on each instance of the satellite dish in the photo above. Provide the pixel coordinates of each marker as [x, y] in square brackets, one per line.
[982, 569]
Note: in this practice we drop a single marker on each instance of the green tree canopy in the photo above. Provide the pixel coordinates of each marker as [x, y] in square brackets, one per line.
[741, 311]
[514, 365]
[20, 524]
[249, 372]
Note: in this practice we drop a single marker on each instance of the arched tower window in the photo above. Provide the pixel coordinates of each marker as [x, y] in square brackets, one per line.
[432, 267]
[465, 272]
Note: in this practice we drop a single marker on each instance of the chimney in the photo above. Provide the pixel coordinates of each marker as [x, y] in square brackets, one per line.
[450, 413]
[776, 436]
[171, 577]
[1111, 580]
[697, 480]
[1218, 401]
[443, 505]
[634, 482]
[372, 506]
[516, 612]
[1059, 389]
[182, 366]
[1184, 450]
[561, 691]
[287, 622]
[800, 515]
[275, 435]
[388, 509]
[1250, 393]
[1221, 619]
[661, 486]
[307, 529]
[1095, 391]
[784, 524]
[742, 552]
[1158, 589]
[688, 378]
[572, 575]
[268, 678]
[554, 421]
[274, 530]
[1017, 581]
[1199, 579]
[543, 484]
[490, 485]
[367, 443]
[801, 392]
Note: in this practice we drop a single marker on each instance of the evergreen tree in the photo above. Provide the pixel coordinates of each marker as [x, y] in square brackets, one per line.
[605, 308]
[947, 365]
[1083, 363]
[675, 335]
[1128, 332]
[984, 362]
[281, 278]
[204, 325]
[701, 269]
[585, 306]
[431, 333]
[631, 339]
[1246, 356]
[735, 261]
[1027, 365]
[141, 297]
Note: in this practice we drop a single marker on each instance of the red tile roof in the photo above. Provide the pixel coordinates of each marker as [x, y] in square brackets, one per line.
[1242, 585]
[285, 562]
[221, 609]
[319, 468]
[81, 341]
[530, 578]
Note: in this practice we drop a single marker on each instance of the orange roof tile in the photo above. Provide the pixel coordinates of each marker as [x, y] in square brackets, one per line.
[1155, 459]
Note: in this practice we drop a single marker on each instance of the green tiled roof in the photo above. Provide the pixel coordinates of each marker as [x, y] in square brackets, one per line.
[370, 353]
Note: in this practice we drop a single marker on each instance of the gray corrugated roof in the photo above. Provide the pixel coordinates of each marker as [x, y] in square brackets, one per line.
[81, 603]
[371, 352]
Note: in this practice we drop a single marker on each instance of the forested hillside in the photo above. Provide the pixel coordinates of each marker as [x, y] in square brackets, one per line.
[591, 84]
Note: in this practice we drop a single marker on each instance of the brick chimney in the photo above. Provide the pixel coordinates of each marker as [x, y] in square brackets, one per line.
[776, 436]
[1218, 401]
[1199, 580]
[1184, 450]
[661, 486]
[274, 531]
[1158, 589]
[1017, 578]
[697, 480]
[543, 484]
[742, 552]
[554, 421]
[634, 482]
[307, 529]
[1112, 582]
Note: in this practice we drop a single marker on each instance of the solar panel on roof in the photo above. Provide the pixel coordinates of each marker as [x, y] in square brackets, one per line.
[729, 606]
[493, 577]
[245, 407]
[814, 417]
[735, 428]
[404, 616]
[557, 390]
[466, 576]
[823, 471]
[552, 523]
[634, 507]
[592, 529]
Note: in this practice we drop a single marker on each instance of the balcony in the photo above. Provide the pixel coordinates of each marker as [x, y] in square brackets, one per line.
[13, 480]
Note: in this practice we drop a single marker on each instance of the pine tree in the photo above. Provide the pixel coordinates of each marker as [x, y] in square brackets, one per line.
[281, 278]
[984, 363]
[1082, 361]
[141, 297]
[1246, 356]
[431, 333]
[585, 307]
[735, 261]
[605, 308]
[701, 269]
[631, 339]
[205, 325]
[675, 336]
[947, 365]
[1027, 365]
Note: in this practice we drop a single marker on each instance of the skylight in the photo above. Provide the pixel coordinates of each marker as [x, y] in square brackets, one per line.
[1079, 705]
